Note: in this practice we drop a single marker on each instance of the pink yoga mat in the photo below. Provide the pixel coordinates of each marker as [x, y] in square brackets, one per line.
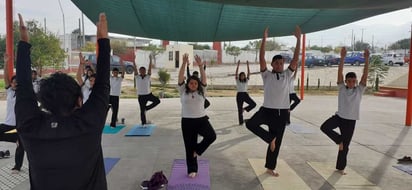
[180, 181]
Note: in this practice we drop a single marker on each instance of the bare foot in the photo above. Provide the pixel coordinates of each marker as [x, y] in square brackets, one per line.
[192, 175]
[342, 172]
[340, 146]
[15, 171]
[272, 173]
[273, 145]
[195, 154]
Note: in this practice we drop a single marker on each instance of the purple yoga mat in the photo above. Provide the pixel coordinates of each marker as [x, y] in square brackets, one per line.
[180, 181]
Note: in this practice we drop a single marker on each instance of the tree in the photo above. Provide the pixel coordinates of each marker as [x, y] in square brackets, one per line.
[45, 49]
[377, 72]
[400, 44]
[270, 45]
[2, 50]
[118, 47]
[234, 51]
[360, 46]
[155, 51]
[255, 46]
[199, 46]
[89, 47]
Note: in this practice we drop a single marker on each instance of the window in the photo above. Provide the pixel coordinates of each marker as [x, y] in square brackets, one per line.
[170, 55]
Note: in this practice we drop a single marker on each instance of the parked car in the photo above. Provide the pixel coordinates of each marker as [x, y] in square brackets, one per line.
[114, 63]
[311, 61]
[286, 57]
[392, 58]
[332, 60]
[354, 58]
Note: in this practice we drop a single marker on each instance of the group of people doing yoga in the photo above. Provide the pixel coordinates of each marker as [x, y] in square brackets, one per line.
[62, 132]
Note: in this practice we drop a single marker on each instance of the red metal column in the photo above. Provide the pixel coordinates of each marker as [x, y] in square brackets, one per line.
[218, 46]
[302, 70]
[165, 43]
[409, 97]
[9, 36]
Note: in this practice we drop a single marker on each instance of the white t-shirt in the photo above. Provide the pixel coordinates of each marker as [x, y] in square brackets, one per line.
[241, 86]
[276, 89]
[86, 82]
[86, 93]
[192, 103]
[115, 85]
[11, 101]
[349, 101]
[36, 85]
[143, 84]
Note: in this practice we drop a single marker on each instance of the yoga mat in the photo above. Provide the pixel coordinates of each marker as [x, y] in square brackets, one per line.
[108, 130]
[351, 180]
[109, 164]
[138, 130]
[405, 168]
[180, 181]
[288, 179]
[300, 129]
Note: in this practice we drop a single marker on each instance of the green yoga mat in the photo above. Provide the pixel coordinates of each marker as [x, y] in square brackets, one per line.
[108, 130]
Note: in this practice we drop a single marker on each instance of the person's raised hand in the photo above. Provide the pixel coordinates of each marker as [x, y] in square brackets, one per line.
[24, 34]
[298, 32]
[266, 32]
[102, 31]
[366, 54]
[198, 60]
[343, 53]
[81, 58]
[186, 58]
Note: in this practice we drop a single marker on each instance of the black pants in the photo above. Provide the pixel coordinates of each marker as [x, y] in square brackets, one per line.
[275, 119]
[13, 138]
[346, 128]
[191, 128]
[143, 99]
[114, 102]
[240, 98]
[295, 99]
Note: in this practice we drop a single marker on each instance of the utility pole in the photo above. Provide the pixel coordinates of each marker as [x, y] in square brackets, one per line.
[362, 35]
[64, 29]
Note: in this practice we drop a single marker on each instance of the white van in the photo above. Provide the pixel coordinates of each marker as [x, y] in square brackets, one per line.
[392, 58]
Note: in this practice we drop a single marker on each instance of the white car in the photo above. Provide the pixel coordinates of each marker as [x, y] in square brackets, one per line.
[392, 58]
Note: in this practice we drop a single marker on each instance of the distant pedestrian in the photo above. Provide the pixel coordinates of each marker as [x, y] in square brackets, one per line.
[349, 99]
[242, 95]
[144, 92]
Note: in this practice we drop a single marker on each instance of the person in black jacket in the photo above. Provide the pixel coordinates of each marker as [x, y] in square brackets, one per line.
[63, 136]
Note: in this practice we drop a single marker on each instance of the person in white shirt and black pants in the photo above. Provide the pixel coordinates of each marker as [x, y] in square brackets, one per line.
[242, 96]
[349, 98]
[194, 119]
[144, 92]
[115, 91]
[275, 108]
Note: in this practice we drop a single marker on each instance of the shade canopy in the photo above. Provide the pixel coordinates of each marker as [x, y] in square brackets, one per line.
[228, 20]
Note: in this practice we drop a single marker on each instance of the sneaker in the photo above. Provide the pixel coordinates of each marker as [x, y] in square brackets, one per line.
[15, 170]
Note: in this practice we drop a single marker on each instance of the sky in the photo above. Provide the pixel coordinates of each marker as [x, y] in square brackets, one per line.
[383, 29]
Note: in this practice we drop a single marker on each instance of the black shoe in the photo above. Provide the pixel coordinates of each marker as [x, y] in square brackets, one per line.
[144, 184]
[7, 153]
[2, 154]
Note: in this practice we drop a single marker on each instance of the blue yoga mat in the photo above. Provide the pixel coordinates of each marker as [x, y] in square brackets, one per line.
[405, 167]
[179, 180]
[138, 130]
[108, 130]
[109, 164]
[297, 128]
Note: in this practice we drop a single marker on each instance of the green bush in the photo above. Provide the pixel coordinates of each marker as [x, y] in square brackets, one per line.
[164, 77]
